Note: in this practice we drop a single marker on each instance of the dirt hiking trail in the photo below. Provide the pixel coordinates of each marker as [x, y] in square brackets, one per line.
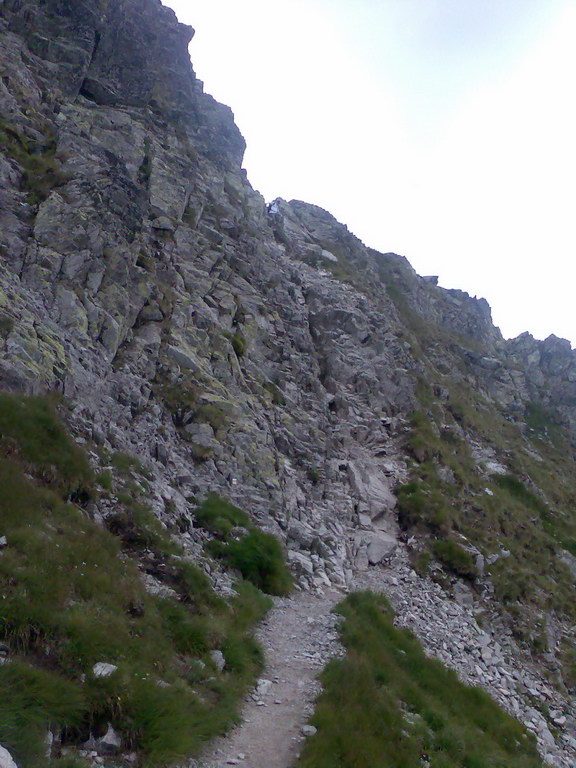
[299, 635]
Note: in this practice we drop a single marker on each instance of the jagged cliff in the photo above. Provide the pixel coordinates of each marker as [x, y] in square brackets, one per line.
[264, 352]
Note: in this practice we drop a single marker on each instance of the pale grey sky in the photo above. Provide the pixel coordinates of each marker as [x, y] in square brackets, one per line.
[443, 130]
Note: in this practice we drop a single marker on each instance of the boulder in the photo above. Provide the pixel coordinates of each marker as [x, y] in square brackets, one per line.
[103, 669]
[218, 659]
[6, 760]
[380, 547]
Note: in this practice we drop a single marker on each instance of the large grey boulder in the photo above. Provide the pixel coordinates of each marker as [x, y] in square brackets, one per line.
[380, 547]
[6, 760]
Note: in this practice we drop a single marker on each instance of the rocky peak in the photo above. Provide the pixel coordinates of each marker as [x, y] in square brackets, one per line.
[125, 54]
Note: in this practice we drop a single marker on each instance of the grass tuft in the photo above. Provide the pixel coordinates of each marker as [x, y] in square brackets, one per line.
[31, 429]
[258, 556]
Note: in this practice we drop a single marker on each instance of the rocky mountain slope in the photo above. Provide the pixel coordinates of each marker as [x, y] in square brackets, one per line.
[359, 412]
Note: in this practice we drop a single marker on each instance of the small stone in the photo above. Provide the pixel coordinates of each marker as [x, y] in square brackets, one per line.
[103, 669]
[218, 659]
[262, 687]
[308, 730]
[3, 542]
[163, 222]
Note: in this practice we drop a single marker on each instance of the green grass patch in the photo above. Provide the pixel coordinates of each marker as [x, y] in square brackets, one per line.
[518, 490]
[543, 424]
[455, 558]
[219, 516]
[31, 429]
[447, 497]
[71, 595]
[126, 464]
[386, 705]
[422, 507]
[30, 701]
[258, 556]
[275, 393]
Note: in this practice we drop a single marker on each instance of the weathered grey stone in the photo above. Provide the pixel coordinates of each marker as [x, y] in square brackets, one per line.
[301, 533]
[380, 547]
[218, 660]
[6, 760]
[103, 669]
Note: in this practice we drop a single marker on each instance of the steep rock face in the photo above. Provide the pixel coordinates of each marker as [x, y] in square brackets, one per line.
[260, 351]
[267, 348]
[149, 282]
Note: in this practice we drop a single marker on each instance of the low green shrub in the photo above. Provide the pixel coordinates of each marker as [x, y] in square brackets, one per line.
[138, 528]
[518, 490]
[41, 170]
[260, 559]
[210, 413]
[239, 344]
[387, 705]
[455, 558]
[258, 556]
[275, 392]
[238, 341]
[219, 516]
[419, 507]
[126, 464]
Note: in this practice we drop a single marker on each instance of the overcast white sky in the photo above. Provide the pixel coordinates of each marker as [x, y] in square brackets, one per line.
[444, 130]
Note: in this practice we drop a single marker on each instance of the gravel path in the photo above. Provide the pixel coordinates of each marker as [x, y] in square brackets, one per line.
[299, 636]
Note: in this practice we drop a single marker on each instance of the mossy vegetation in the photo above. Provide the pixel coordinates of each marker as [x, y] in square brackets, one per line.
[184, 401]
[543, 425]
[220, 516]
[275, 393]
[238, 341]
[41, 169]
[387, 705]
[72, 595]
[259, 558]
[455, 558]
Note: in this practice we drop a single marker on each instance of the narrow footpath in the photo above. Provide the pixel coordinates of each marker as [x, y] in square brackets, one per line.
[299, 636]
